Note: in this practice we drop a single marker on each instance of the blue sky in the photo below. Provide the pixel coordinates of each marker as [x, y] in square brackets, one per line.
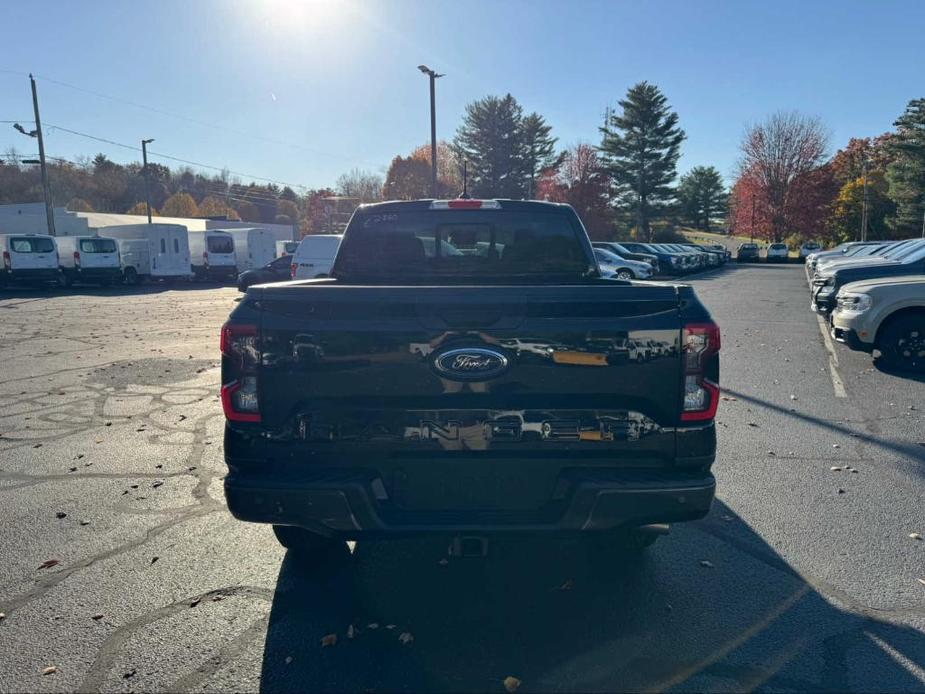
[302, 91]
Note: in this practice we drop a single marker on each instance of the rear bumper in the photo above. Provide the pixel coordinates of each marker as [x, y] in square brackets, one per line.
[348, 505]
[96, 274]
[30, 276]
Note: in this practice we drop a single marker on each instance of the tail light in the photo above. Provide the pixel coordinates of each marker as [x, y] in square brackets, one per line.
[205, 258]
[6, 259]
[700, 359]
[292, 269]
[77, 258]
[240, 359]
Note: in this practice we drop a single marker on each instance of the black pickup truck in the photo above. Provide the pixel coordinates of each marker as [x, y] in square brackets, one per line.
[465, 370]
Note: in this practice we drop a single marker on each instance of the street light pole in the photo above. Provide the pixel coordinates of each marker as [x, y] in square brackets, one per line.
[144, 158]
[433, 128]
[49, 209]
[864, 206]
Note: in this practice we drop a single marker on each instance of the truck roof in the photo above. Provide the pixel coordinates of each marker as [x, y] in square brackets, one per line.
[426, 204]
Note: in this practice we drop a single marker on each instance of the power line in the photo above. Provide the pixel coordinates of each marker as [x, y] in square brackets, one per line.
[195, 121]
[176, 159]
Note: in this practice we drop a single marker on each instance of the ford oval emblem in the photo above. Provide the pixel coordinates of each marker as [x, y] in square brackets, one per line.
[470, 364]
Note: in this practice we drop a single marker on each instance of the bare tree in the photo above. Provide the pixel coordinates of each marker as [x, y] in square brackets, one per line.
[364, 185]
[778, 155]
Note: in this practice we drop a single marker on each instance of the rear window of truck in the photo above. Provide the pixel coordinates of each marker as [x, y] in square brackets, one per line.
[32, 245]
[463, 243]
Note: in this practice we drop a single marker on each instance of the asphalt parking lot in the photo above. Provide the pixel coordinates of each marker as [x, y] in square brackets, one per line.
[803, 577]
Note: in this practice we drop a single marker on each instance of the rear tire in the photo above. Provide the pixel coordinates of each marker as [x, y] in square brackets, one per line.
[902, 343]
[131, 276]
[304, 543]
[65, 281]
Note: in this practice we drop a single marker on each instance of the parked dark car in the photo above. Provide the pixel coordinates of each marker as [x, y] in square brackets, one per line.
[910, 260]
[389, 399]
[668, 263]
[277, 270]
[623, 252]
[748, 253]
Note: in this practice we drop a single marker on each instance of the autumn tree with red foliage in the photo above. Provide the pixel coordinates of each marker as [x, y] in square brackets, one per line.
[581, 181]
[783, 185]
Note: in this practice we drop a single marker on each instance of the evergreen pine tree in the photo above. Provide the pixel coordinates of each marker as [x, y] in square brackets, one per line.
[640, 147]
[906, 172]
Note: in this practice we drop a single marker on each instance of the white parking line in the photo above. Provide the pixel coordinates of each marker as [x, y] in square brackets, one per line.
[837, 383]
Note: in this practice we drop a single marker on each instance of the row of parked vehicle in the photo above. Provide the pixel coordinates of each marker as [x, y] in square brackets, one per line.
[632, 260]
[134, 253]
[872, 294]
[750, 252]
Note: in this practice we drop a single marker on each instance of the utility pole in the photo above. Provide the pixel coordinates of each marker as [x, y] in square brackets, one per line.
[752, 227]
[433, 75]
[864, 206]
[144, 170]
[49, 209]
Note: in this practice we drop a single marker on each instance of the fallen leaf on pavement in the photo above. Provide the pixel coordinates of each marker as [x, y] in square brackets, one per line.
[922, 581]
[328, 640]
[752, 424]
[835, 445]
[706, 564]
[373, 625]
[351, 632]
[405, 637]
[96, 617]
[129, 675]
[48, 563]
[511, 684]
[195, 602]
[915, 536]
[50, 670]
[60, 514]
[154, 559]
[835, 468]
[389, 626]
[3, 614]
[288, 659]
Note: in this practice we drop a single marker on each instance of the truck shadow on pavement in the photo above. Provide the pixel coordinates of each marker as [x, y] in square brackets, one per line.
[711, 606]
[911, 450]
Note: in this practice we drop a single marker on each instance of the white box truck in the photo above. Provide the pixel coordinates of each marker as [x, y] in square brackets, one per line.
[28, 259]
[253, 247]
[212, 255]
[152, 251]
[91, 259]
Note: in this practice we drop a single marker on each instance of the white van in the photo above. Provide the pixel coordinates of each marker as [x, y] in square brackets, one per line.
[28, 259]
[152, 251]
[315, 256]
[253, 247]
[286, 248]
[212, 255]
[92, 259]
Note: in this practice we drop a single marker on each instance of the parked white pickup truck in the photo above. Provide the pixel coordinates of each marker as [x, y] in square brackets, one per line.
[886, 314]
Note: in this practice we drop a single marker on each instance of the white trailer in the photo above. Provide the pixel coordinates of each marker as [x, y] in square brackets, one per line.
[213, 256]
[253, 247]
[93, 259]
[152, 251]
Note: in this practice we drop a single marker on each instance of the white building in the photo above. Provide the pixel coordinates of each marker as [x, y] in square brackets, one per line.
[29, 218]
